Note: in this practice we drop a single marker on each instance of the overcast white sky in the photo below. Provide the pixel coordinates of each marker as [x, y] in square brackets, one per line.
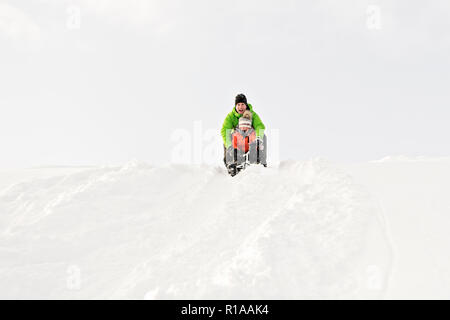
[336, 81]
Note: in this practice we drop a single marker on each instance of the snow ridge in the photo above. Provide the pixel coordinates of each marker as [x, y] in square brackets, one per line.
[300, 230]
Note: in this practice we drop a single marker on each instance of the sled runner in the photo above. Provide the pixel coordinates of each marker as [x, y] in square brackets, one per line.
[245, 151]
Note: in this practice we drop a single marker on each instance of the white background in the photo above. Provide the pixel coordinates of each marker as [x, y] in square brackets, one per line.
[114, 82]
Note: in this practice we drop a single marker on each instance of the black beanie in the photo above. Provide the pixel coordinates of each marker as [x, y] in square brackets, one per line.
[240, 98]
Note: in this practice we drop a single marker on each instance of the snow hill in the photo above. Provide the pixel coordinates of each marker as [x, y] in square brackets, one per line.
[299, 230]
[414, 194]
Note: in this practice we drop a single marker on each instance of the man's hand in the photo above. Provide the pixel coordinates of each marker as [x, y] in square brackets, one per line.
[230, 153]
[260, 143]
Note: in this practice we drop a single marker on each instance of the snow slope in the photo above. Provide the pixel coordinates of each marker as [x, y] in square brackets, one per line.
[414, 194]
[300, 230]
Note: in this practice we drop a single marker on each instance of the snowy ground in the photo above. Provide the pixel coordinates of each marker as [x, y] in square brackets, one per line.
[415, 197]
[301, 230]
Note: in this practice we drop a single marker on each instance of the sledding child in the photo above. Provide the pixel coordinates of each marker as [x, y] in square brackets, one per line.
[244, 134]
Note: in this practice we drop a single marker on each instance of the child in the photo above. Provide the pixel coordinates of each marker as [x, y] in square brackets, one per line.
[244, 135]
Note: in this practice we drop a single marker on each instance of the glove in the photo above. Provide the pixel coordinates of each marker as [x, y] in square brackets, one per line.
[260, 143]
[230, 153]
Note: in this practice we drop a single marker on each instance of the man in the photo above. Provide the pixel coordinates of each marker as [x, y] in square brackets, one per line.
[231, 122]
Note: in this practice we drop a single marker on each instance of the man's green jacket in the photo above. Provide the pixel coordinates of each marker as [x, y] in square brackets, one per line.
[232, 121]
